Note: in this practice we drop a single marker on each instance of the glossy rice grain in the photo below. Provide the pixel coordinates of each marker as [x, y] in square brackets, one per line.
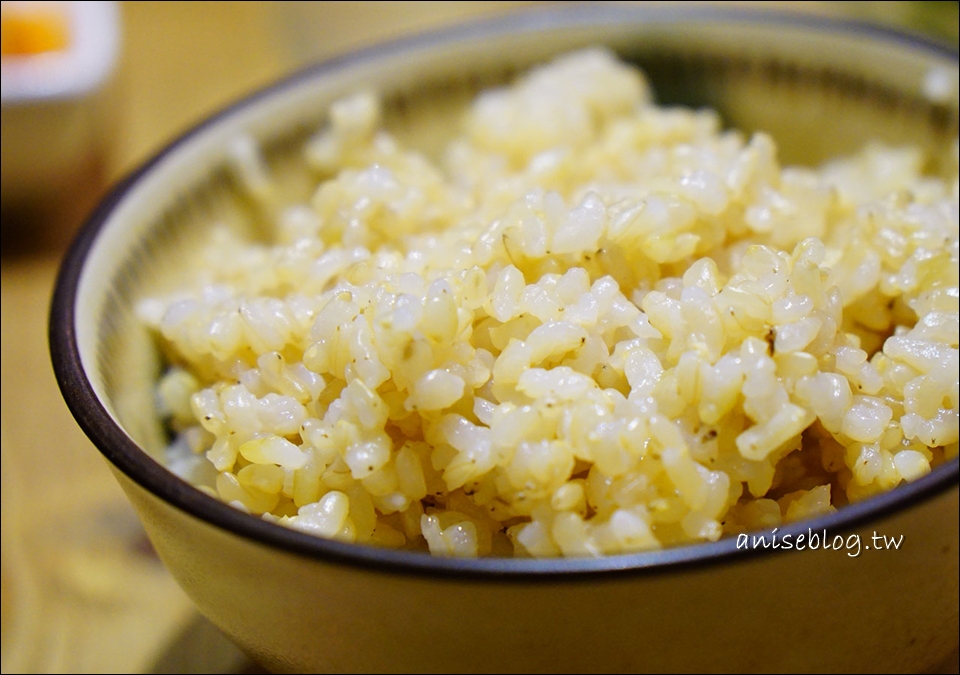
[595, 325]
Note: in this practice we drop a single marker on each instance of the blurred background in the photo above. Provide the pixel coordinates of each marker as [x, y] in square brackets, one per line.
[91, 90]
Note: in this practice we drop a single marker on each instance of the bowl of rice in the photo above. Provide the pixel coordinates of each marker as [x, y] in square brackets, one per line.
[593, 338]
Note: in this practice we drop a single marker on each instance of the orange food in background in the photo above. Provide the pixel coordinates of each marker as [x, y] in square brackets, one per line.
[34, 30]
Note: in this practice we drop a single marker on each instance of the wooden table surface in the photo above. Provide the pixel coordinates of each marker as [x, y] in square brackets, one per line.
[82, 590]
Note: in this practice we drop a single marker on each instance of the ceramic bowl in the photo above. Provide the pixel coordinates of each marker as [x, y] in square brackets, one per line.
[298, 603]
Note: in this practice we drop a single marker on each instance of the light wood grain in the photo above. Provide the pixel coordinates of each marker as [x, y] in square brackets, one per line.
[82, 590]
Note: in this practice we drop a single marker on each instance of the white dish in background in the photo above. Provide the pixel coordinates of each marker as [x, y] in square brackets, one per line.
[54, 102]
[83, 66]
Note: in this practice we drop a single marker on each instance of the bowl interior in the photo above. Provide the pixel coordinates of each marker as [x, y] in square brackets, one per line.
[821, 89]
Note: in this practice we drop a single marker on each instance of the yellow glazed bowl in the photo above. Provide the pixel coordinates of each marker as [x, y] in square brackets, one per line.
[298, 603]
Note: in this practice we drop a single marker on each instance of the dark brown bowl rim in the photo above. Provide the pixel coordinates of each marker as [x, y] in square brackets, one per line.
[126, 456]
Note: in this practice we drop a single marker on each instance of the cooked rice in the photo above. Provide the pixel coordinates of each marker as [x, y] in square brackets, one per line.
[597, 326]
